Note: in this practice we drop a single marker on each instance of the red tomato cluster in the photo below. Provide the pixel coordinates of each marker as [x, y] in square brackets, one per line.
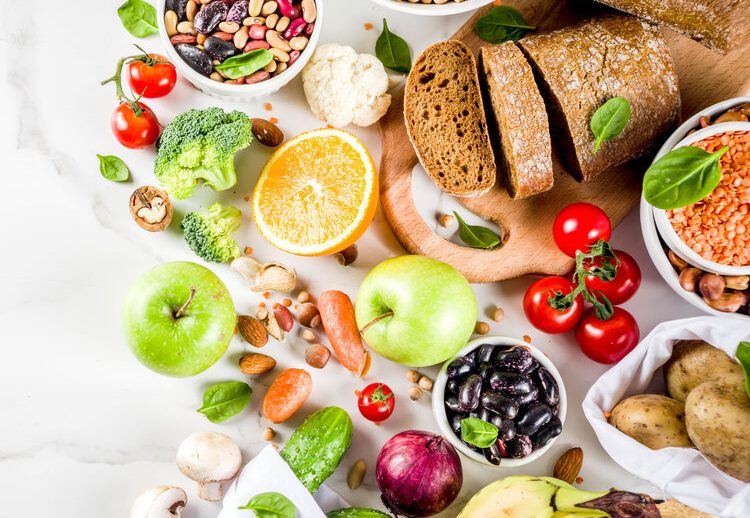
[604, 278]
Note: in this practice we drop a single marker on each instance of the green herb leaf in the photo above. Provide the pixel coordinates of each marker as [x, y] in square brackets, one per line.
[271, 505]
[682, 177]
[743, 356]
[393, 51]
[112, 168]
[476, 236]
[245, 64]
[479, 433]
[138, 17]
[609, 120]
[225, 400]
[501, 24]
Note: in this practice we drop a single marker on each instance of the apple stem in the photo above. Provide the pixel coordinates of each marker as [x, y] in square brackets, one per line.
[375, 321]
[184, 307]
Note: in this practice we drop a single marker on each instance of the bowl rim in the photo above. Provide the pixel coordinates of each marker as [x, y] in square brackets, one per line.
[420, 9]
[438, 397]
[270, 85]
[665, 228]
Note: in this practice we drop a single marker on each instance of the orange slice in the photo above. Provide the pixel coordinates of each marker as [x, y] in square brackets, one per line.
[317, 194]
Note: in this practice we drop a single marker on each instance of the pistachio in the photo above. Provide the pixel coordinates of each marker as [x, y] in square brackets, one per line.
[151, 208]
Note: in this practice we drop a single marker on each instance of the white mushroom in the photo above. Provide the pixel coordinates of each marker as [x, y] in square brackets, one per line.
[209, 458]
[159, 502]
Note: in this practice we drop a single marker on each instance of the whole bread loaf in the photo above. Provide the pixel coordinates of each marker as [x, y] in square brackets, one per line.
[523, 148]
[718, 24]
[445, 119]
[579, 68]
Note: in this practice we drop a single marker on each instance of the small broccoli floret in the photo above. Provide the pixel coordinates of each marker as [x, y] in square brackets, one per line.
[200, 145]
[209, 233]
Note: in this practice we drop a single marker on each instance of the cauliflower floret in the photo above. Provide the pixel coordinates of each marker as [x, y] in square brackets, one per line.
[343, 87]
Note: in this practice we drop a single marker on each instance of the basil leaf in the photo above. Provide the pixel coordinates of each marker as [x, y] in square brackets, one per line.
[609, 120]
[393, 51]
[225, 400]
[479, 433]
[271, 505]
[501, 24]
[245, 64]
[743, 356]
[138, 17]
[112, 168]
[682, 177]
[476, 236]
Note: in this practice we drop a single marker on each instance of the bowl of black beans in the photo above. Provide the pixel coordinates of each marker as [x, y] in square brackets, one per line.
[500, 401]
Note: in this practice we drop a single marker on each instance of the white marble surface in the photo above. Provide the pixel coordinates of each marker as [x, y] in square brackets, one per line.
[84, 426]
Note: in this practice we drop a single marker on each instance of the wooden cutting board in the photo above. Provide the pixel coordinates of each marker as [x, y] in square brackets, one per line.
[705, 78]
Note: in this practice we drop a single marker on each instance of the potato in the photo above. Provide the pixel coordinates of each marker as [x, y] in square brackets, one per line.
[674, 509]
[717, 415]
[652, 420]
[694, 362]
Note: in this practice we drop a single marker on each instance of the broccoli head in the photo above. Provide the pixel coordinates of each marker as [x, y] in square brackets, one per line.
[209, 233]
[200, 145]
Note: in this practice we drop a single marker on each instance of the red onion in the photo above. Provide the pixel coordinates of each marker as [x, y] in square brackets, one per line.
[418, 473]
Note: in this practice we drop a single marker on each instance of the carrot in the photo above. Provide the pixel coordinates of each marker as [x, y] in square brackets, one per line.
[337, 314]
[286, 395]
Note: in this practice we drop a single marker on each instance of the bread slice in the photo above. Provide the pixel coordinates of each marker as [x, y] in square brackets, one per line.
[720, 25]
[445, 119]
[579, 68]
[523, 148]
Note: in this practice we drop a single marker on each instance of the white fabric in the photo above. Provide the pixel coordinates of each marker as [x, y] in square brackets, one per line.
[682, 473]
[268, 472]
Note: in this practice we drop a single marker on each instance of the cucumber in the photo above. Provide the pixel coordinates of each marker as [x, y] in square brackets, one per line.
[316, 448]
[357, 512]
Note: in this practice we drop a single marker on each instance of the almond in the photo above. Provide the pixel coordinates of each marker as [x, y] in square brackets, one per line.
[317, 356]
[267, 132]
[256, 363]
[569, 465]
[252, 330]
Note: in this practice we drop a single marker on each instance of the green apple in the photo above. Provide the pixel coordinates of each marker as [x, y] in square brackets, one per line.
[179, 319]
[415, 310]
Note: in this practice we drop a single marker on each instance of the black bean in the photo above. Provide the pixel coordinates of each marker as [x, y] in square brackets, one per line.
[452, 404]
[472, 357]
[511, 383]
[178, 6]
[485, 370]
[516, 359]
[499, 404]
[535, 416]
[534, 366]
[494, 419]
[547, 433]
[547, 385]
[195, 58]
[468, 393]
[219, 49]
[210, 16]
[455, 421]
[507, 429]
[484, 353]
[520, 446]
[237, 12]
[531, 397]
[459, 367]
[494, 454]
[472, 447]
[452, 387]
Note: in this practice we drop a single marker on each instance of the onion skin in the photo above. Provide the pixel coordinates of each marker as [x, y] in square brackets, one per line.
[418, 473]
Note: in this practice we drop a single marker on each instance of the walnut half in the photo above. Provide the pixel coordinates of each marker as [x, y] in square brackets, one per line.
[151, 208]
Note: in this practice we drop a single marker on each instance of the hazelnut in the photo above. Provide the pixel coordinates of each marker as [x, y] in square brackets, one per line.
[308, 315]
[317, 356]
[348, 255]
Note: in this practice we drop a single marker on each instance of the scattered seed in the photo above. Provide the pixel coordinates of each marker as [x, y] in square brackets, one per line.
[248, 250]
[268, 434]
[268, 107]
[308, 335]
[446, 220]
[304, 296]
[498, 314]
[482, 328]
[368, 26]
[425, 383]
[267, 295]
[527, 339]
[356, 474]
[273, 120]
[415, 393]
[412, 376]
[579, 480]
[287, 302]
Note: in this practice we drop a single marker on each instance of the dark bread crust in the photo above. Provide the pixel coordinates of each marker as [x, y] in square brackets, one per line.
[445, 120]
[579, 68]
[524, 150]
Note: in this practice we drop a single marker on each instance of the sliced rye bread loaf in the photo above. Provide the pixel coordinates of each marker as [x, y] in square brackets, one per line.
[522, 141]
[445, 119]
[579, 68]
[720, 25]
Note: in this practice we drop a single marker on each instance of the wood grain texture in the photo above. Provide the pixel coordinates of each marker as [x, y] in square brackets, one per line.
[705, 78]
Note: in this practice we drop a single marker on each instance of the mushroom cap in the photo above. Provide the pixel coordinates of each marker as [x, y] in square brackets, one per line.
[159, 502]
[209, 457]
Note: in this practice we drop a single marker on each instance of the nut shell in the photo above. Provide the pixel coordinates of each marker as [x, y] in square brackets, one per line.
[142, 200]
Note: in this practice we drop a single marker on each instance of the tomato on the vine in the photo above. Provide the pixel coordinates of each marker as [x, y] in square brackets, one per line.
[620, 281]
[376, 402]
[151, 75]
[607, 341]
[135, 125]
[580, 225]
[545, 307]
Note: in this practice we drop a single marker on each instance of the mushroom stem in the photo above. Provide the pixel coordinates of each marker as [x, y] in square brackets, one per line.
[210, 491]
[184, 307]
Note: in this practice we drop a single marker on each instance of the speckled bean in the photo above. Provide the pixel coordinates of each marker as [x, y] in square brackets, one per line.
[257, 77]
[286, 8]
[309, 29]
[277, 42]
[254, 7]
[241, 37]
[230, 27]
[191, 8]
[293, 56]
[272, 20]
[253, 20]
[258, 32]
[298, 43]
[170, 23]
[279, 55]
[296, 27]
[223, 36]
[309, 10]
[268, 8]
[282, 24]
[186, 28]
[256, 44]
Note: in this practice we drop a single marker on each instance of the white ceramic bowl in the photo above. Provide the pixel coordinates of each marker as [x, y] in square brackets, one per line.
[438, 401]
[449, 7]
[238, 92]
[651, 236]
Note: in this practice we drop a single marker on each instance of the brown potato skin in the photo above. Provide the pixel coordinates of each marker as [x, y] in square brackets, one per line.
[653, 420]
[717, 415]
[694, 362]
[674, 509]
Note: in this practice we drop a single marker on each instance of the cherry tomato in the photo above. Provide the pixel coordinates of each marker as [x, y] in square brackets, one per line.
[607, 341]
[376, 402]
[625, 283]
[545, 317]
[578, 226]
[134, 130]
[152, 80]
